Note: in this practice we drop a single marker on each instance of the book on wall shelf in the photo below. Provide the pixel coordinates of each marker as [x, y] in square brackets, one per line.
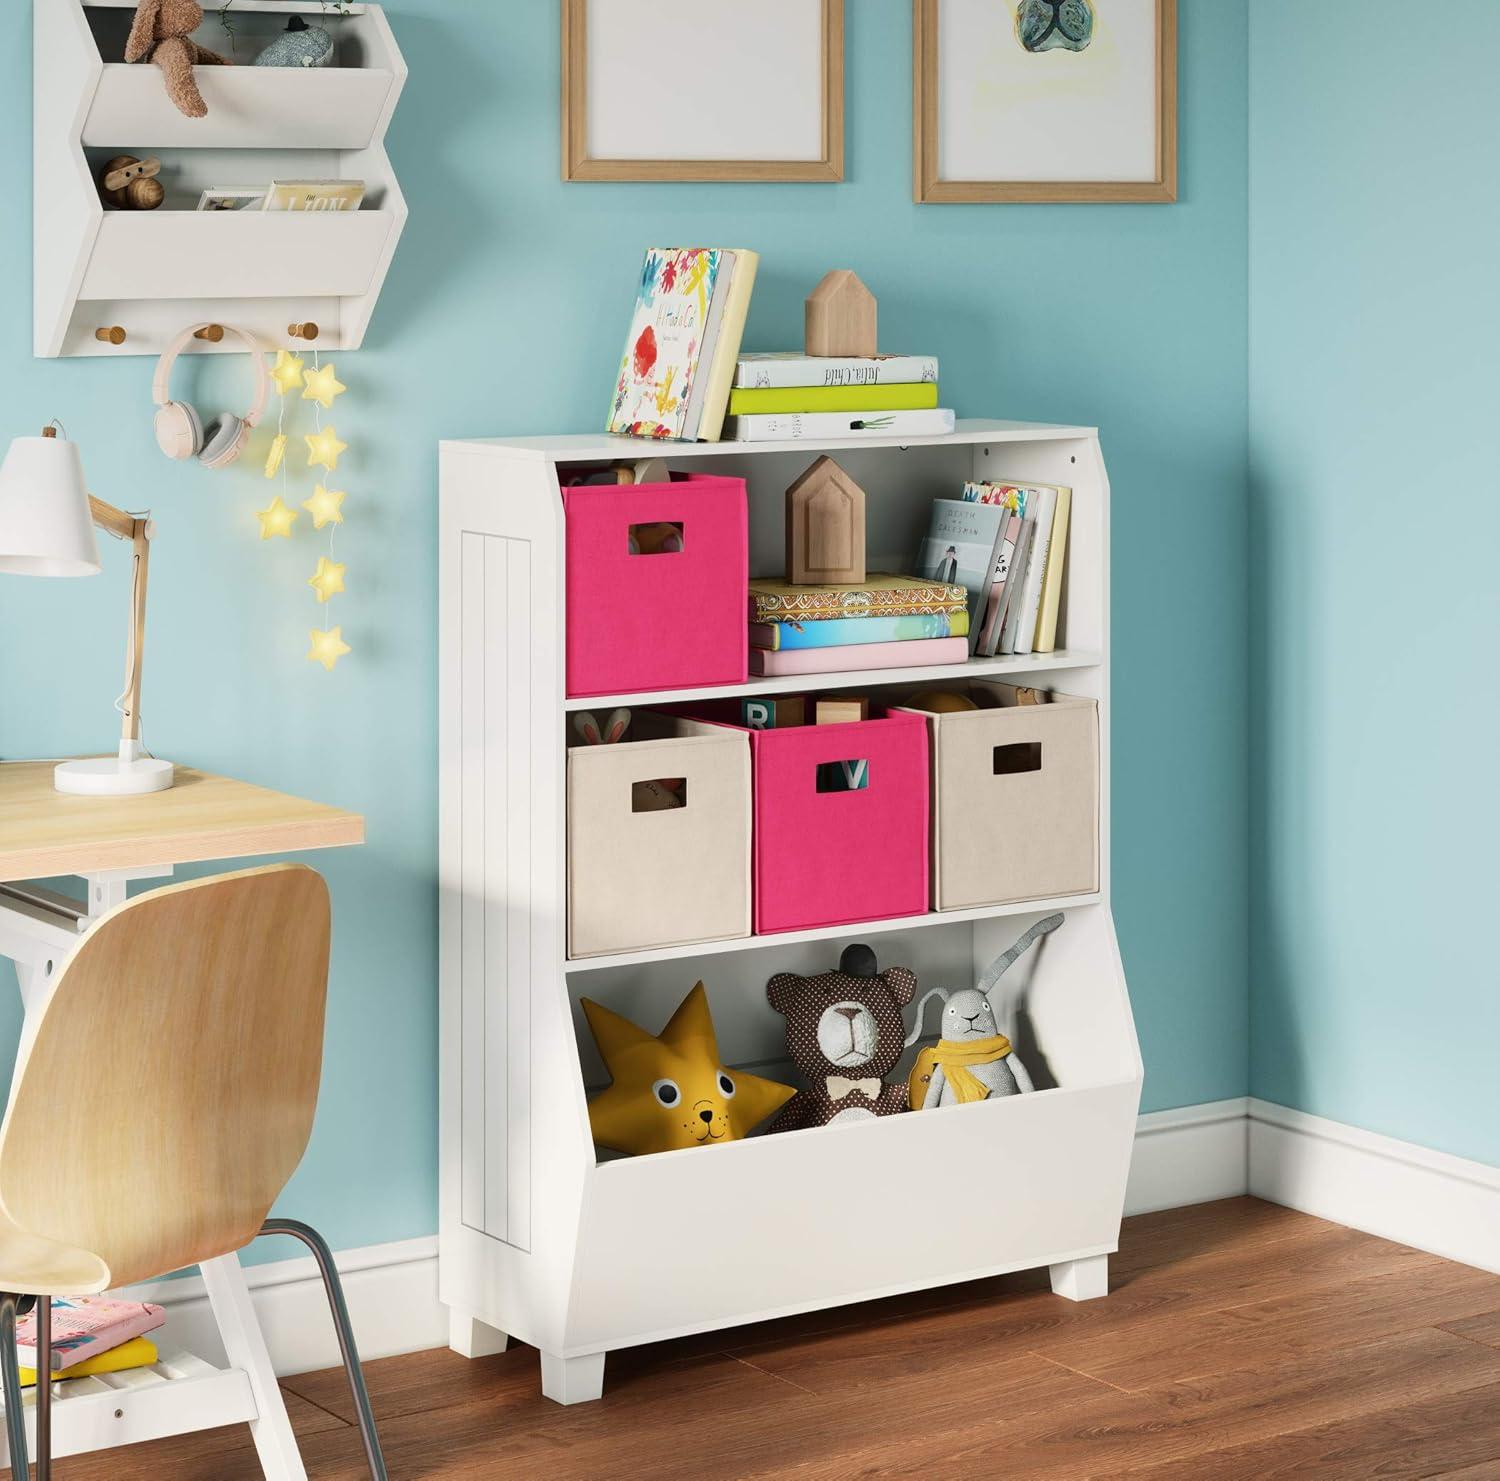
[683, 345]
[909, 653]
[911, 396]
[834, 425]
[878, 595]
[1025, 597]
[769, 369]
[843, 632]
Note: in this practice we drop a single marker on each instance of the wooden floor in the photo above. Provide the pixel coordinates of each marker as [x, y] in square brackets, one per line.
[1238, 1340]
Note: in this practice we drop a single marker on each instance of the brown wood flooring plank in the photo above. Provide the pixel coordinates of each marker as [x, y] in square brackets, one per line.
[1483, 1327]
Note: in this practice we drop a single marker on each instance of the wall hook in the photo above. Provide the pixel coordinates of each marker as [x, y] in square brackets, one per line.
[308, 330]
[213, 333]
[110, 334]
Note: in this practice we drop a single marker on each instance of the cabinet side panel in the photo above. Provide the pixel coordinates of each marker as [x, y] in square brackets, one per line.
[471, 894]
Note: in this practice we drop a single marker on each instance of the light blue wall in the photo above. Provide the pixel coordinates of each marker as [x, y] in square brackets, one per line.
[504, 313]
[1375, 608]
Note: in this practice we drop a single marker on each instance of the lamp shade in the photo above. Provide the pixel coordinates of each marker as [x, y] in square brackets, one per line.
[46, 528]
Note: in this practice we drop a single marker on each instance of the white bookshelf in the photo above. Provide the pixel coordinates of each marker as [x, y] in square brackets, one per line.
[542, 1239]
[152, 272]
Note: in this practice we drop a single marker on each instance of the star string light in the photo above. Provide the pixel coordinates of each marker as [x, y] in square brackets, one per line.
[325, 506]
[328, 646]
[322, 385]
[276, 519]
[327, 580]
[287, 372]
[323, 448]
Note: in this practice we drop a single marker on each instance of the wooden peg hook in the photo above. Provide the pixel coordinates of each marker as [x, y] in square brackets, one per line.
[110, 334]
[303, 331]
[213, 333]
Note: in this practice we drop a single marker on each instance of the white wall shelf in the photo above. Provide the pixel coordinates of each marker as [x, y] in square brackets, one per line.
[151, 272]
[544, 1239]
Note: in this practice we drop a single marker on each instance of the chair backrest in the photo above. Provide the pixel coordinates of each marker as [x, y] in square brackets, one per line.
[168, 1092]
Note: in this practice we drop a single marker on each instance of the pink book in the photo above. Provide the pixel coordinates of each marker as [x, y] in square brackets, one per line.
[907, 654]
[85, 1326]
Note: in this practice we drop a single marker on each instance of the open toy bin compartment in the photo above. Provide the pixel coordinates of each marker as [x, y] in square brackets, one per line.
[805, 1219]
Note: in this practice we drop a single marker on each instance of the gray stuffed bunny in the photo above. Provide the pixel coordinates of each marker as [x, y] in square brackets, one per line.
[972, 1060]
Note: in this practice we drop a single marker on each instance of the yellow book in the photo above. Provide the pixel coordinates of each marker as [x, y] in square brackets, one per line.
[139, 1352]
[780, 400]
[727, 347]
[1046, 623]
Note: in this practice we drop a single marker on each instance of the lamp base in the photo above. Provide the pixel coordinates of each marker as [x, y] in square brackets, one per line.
[109, 776]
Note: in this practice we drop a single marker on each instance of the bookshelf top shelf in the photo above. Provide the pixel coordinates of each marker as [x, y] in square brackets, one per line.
[582, 447]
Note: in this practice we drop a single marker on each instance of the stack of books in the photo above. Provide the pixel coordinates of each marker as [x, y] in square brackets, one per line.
[881, 622]
[91, 1334]
[789, 396]
[1006, 544]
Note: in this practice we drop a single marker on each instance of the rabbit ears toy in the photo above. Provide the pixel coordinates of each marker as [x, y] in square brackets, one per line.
[967, 1013]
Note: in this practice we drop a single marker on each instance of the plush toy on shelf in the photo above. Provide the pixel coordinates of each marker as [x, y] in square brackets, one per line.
[658, 794]
[300, 45]
[844, 1032]
[972, 1060]
[672, 1090]
[162, 32]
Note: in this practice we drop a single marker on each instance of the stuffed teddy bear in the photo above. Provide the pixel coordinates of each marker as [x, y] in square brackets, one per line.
[844, 1032]
[161, 32]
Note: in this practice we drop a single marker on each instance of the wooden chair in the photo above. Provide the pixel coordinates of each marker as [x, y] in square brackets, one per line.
[163, 1101]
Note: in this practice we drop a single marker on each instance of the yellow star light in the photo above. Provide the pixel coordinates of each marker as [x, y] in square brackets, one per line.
[322, 386]
[276, 454]
[328, 646]
[287, 372]
[324, 506]
[276, 519]
[328, 579]
[323, 449]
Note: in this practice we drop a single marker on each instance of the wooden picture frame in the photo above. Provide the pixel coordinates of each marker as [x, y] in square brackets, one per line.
[929, 187]
[579, 164]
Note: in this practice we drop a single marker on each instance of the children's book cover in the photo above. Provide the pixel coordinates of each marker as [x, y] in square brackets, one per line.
[664, 347]
[960, 548]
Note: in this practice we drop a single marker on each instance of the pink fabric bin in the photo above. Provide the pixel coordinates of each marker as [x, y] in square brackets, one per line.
[834, 858]
[668, 621]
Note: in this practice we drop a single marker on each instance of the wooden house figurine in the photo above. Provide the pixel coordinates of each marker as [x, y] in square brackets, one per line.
[839, 316]
[825, 527]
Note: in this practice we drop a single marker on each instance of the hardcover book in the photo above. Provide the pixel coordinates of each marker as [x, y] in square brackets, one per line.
[917, 653]
[814, 426]
[878, 595]
[915, 396]
[314, 195]
[85, 1326]
[840, 632]
[139, 1352]
[1057, 554]
[961, 548]
[792, 368]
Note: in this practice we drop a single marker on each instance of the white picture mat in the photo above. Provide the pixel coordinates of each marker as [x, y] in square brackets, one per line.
[722, 79]
[1007, 114]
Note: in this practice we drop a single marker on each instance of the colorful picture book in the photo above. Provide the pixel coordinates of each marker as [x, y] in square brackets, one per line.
[775, 368]
[839, 632]
[962, 547]
[86, 1326]
[908, 654]
[683, 344]
[139, 1352]
[913, 396]
[1025, 597]
[314, 195]
[828, 426]
[878, 595]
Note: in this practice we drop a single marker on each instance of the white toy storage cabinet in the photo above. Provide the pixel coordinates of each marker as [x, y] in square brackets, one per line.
[579, 1254]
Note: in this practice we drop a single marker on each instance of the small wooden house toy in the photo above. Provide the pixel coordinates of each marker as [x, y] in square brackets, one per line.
[839, 316]
[825, 527]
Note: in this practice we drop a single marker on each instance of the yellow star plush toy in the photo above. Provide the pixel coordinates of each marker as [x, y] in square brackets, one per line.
[673, 1091]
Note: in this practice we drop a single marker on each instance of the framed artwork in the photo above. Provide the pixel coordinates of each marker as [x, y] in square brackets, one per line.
[1044, 100]
[720, 90]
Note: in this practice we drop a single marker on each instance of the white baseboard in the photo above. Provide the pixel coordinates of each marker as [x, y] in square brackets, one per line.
[1190, 1155]
[1430, 1200]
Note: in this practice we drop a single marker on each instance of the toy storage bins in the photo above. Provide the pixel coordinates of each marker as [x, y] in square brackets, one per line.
[1015, 813]
[824, 858]
[673, 620]
[658, 878]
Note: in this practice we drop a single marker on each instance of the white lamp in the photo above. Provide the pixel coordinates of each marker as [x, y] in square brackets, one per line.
[47, 519]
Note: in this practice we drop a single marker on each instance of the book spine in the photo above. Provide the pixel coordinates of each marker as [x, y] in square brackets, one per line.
[916, 396]
[727, 349]
[1036, 568]
[803, 370]
[990, 632]
[811, 426]
[1011, 617]
[1057, 553]
[840, 632]
[893, 604]
[872, 656]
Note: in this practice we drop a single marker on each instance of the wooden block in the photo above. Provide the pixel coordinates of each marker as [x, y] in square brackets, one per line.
[842, 710]
[778, 712]
[825, 527]
[839, 316]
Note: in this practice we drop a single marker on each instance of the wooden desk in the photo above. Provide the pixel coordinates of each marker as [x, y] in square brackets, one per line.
[44, 832]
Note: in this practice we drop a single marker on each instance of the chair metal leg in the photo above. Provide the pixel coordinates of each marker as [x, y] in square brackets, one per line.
[342, 1326]
[10, 1370]
[43, 1388]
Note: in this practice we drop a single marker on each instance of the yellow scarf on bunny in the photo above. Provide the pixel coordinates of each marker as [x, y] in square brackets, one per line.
[955, 1059]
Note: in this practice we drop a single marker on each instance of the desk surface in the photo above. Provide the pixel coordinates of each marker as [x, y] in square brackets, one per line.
[44, 832]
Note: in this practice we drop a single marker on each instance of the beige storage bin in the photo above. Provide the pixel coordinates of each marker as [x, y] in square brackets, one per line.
[1015, 808]
[658, 878]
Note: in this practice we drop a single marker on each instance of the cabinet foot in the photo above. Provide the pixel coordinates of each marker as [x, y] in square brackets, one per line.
[1081, 1280]
[573, 1380]
[471, 1338]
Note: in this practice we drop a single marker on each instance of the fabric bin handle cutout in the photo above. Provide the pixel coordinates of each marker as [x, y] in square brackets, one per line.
[659, 794]
[843, 776]
[662, 537]
[1018, 757]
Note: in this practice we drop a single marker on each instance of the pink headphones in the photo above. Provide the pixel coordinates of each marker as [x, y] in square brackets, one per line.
[180, 431]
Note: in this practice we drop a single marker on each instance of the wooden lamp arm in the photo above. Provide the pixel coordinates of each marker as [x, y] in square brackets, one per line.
[127, 527]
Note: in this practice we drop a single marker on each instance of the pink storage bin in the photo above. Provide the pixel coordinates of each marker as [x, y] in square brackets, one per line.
[828, 858]
[666, 621]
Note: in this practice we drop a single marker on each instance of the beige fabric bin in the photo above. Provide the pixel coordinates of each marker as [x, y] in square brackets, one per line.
[1014, 824]
[643, 879]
